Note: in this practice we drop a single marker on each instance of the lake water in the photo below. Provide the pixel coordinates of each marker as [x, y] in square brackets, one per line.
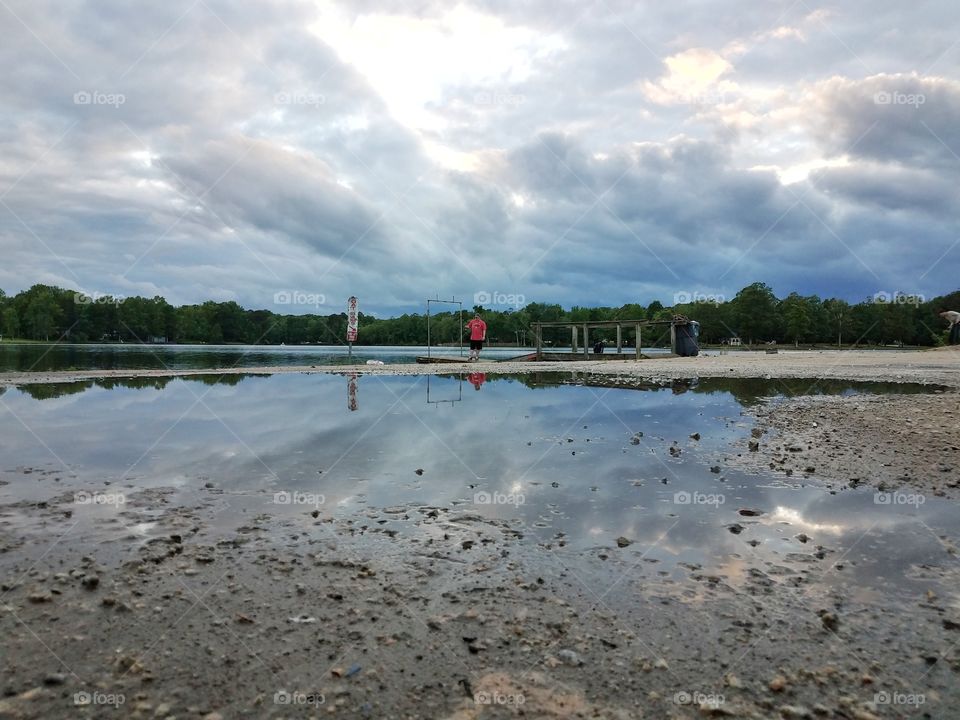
[67, 356]
[558, 459]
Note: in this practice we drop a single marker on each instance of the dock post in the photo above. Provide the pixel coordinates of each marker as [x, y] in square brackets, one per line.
[573, 337]
[619, 339]
[536, 329]
[673, 338]
[639, 341]
[586, 341]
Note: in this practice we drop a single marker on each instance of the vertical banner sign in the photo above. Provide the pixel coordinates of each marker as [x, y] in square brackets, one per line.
[352, 319]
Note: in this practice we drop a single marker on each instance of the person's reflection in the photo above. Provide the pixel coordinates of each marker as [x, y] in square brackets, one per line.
[477, 379]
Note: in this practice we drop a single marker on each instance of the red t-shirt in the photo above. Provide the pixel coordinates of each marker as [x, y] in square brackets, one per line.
[478, 329]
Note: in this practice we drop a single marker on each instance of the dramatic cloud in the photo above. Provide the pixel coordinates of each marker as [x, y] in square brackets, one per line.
[583, 154]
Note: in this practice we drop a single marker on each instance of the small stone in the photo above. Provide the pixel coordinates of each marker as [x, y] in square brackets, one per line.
[829, 620]
[55, 679]
[715, 708]
[695, 436]
[794, 711]
[570, 658]
[778, 684]
[90, 582]
[732, 681]
[753, 446]
[623, 541]
[419, 471]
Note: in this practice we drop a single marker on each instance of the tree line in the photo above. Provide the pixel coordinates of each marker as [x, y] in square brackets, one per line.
[755, 315]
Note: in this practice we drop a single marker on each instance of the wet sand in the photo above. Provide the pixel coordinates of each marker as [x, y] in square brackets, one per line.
[428, 612]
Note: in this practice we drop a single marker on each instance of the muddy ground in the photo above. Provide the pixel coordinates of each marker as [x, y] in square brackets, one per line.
[889, 442]
[428, 612]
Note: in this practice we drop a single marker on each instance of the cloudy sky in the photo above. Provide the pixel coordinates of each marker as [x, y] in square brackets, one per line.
[574, 152]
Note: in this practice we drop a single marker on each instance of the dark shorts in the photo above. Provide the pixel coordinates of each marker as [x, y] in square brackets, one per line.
[476, 344]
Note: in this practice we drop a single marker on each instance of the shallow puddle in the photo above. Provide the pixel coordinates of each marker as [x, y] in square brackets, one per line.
[574, 463]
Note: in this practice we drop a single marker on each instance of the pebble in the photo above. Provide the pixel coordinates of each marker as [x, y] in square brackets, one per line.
[570, 657]
[732, 681]
[90, 582]
[829, 620]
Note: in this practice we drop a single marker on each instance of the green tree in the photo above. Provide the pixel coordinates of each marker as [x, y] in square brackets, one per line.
[797, 317]
[41, 312]
[755, 312]
[838, 318]
[11, 322]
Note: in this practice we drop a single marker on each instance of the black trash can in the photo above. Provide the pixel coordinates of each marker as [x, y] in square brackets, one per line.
[688, 339]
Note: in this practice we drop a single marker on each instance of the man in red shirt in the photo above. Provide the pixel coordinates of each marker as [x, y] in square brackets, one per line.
[478, 333]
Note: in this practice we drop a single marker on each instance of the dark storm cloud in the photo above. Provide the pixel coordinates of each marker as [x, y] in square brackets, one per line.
[892, 118]
[248, 183]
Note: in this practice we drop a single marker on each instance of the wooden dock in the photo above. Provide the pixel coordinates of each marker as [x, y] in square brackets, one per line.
[580, 332]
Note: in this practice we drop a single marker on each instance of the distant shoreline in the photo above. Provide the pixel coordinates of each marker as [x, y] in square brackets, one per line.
[940, 367]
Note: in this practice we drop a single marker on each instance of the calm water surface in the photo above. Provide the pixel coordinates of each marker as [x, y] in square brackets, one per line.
[560, 460]
[66, 356]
